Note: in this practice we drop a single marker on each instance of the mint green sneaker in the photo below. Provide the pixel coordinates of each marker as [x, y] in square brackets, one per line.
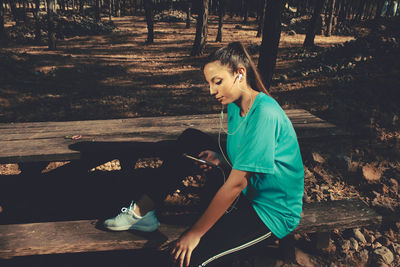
[128, 220]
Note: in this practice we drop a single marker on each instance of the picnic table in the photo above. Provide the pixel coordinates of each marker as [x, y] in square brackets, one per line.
[50, 141]
[36, 142]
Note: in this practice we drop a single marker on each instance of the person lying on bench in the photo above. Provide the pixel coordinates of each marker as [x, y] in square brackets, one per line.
[261, 199]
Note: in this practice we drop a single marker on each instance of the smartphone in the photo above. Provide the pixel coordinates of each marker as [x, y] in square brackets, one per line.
[198, 160]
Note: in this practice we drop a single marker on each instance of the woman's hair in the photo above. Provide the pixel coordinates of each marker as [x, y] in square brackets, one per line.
[235, 55]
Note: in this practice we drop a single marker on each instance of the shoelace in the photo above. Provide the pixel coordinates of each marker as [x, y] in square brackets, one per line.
[126, 210]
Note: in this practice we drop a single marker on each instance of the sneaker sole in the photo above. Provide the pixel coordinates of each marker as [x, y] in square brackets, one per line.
[133, 227]
[144, 228]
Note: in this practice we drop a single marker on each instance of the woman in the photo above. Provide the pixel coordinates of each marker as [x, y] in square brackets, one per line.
[266, 170]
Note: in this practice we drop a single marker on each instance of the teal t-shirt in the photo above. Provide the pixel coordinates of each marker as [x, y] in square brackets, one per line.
[265, 144]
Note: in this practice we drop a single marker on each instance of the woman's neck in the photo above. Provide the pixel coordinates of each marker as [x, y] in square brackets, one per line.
[246, 100]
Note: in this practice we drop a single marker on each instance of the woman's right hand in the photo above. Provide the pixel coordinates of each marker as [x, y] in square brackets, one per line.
[210, 156]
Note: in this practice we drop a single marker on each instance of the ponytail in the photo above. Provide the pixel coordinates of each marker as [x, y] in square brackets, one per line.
[234, 55]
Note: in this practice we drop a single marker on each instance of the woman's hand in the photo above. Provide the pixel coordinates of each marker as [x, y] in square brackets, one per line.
[182, 251]
[209, 156]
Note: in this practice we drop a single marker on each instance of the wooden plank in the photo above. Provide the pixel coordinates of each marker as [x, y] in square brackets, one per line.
[83, 236]
[76, 236]
[339, 214]
[45, 141]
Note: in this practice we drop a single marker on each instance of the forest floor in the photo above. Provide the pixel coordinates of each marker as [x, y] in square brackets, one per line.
[115, 75]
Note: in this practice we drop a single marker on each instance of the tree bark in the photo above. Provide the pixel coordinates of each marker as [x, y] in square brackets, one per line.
[221, 12]
[2, 29]
[262, 17]
[312, 27]
[109, 9]
[118, 8]
[36, 16]
[270, 40]
[148, 8]
[201, 30]
[97, 11]
[51, 10]
[379, 7]
[188, 13]
[330, 18]
[245, 9]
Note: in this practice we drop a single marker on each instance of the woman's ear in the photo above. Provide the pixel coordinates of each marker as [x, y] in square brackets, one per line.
[241, 73]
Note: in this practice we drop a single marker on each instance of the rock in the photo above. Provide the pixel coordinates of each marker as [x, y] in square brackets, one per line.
[353, 244]
[370, 238]
[371, 174]
[363, 255]
[376, 245]
[284, 77]
[395, 248]
[358, 58]
[384, 241]
[318, 158]
[385, 254]
[302, 259]
[394, 186]
[359, 236]
[345, 246]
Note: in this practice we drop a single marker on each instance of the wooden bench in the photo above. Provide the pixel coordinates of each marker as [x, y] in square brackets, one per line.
[50, 141]
[83, 236]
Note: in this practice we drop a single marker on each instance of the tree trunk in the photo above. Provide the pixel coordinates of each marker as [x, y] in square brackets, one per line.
[221, 12]
[201, 30]
[118, 8]
[51, 10]
[262, 17]
[270, 40]
[330, 18]
[97, 11]
[312, 27]
[3, 34]
[188, 13]
[81, 3]
[109, 9]
[379, 7]
[245, 9]
[148, 8]
[36, 16]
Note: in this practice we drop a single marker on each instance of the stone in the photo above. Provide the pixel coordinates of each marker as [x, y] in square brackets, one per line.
[371, 174]
[363, 255]
[345, 246]
[302, 258]
[395, 247]
[376, 245]
[353, 244]
[394, 185]
[370, 238]
[359, 236]
[317, 157]
[385, 254]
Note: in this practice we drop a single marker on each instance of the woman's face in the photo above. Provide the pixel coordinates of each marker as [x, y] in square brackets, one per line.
[223, 84]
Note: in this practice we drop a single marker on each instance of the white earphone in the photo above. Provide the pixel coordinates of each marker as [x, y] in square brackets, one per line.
[240, 76]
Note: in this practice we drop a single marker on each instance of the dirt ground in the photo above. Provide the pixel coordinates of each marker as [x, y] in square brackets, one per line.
[117, 76]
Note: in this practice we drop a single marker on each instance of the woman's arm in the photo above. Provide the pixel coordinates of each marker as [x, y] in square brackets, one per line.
[222, 200]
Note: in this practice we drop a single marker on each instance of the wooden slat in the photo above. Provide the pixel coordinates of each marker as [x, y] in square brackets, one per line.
[45, 141]
[339, 214]
[83, 236]
[76, 236]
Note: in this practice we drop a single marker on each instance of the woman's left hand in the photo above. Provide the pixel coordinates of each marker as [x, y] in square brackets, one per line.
[182, 251]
